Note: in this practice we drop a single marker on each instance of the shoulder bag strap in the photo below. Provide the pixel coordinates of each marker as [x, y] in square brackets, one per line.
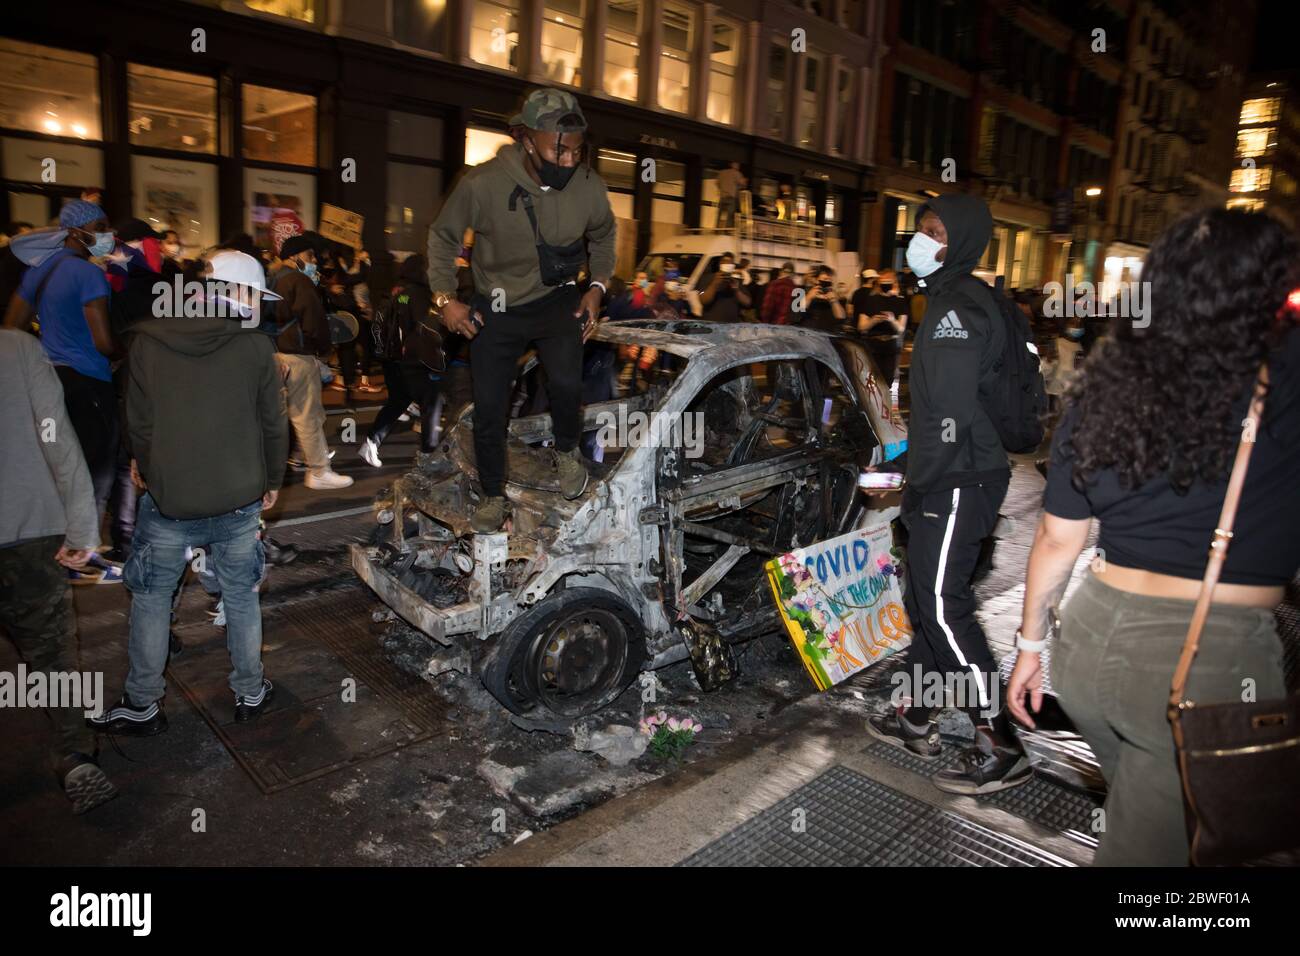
[1219, 546]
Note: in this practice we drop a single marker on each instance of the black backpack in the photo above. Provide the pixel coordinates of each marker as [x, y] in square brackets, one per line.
[1013, 393]
[386, 326]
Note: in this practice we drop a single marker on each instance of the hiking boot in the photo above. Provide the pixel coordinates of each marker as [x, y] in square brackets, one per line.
[572, 472]
[326, 479]
[893, 729]
[246, 708]
[127, 720]
[490, 515]
[85, 784]
[987, 767]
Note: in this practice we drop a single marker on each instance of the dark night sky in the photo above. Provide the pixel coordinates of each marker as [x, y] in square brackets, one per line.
[1275, 41]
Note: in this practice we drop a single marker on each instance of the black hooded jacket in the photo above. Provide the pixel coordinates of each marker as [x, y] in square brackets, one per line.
[952, 442]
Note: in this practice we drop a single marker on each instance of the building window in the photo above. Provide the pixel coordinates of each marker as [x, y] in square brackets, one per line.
[279, 127]
[562, 41]
[171, 110]
[845, 114]
[414, 198]
[303, 10]
[618, 170]
[44, 90]
[675, 57]
[482, 144]
[814, 67]
[777, 67]
[622, 48]
[494, 34]
[421, 23]
[1255, 142]
[1262, 110]
[410, 134]
[669, 198]
[1251, 180]
[724, 58]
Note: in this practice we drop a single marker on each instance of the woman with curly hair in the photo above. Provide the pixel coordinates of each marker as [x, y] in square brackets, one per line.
[1145, 447]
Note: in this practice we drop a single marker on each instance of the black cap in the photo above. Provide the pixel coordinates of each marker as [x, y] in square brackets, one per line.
[129, 230]
[296, 244]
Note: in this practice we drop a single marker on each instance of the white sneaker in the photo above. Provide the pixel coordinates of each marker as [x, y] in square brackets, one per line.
[370, 453]
[326, 479]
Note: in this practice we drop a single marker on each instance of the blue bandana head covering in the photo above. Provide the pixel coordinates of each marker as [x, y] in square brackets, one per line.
[78, 213]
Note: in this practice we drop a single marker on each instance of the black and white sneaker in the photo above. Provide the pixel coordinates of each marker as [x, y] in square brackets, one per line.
[86, 785]
[892, 729]
[246, 708]
[127, 720]
[985, 768]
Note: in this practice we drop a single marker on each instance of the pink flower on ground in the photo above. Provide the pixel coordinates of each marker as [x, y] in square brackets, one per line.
[674, 724]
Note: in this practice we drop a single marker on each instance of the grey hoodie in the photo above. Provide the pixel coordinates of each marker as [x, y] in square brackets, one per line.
[505, 252]
[205, 414]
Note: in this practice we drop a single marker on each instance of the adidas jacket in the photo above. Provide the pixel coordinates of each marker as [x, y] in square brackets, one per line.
[952, 442]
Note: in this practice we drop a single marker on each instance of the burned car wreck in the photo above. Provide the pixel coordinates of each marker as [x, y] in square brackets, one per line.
[661, 558]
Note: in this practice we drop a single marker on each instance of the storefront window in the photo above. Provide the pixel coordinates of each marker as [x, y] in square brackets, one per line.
[279, 127]
[618, 170]
[45, 90]
[675, 58]
[814, 67]
[724, 57]
[562, 41]
[410, 134]
[669, 192]
[775, 100]
[421, 23]
[482, 144]
[171, 110]
[494, 34]
[622, 47]
[177, 194]
[304, 10]
[414, 198]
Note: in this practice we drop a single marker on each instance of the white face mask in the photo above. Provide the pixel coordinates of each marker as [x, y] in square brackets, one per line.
[921, 252]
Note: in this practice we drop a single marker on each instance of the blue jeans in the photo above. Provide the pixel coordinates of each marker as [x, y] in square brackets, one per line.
[156, 564]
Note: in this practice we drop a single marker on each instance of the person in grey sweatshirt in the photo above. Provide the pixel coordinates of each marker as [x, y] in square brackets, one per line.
[48, 521]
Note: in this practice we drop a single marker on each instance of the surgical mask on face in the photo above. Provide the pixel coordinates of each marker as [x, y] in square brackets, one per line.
[886, 287]
[728, 267]
[642, 283]
[921, 252]
[309, 270]
[1074, 334]
[171, 249]
[102, 245]
[671, 274]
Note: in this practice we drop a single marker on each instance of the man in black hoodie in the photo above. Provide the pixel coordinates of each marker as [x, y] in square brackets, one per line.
[209, 432]
[957, 476]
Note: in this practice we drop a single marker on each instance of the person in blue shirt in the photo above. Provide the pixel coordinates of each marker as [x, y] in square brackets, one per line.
[67, 295]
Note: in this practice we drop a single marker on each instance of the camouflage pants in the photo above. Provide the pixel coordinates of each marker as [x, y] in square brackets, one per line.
[36, 610]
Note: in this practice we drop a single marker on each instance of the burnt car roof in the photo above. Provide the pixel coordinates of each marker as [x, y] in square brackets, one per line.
[687, 337]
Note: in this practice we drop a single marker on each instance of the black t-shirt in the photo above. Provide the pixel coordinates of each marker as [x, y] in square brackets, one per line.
[873, 303]
[725, 307]
[1155, 529]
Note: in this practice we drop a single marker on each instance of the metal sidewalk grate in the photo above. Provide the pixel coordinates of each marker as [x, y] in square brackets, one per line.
[1040, 800]
[851, 820]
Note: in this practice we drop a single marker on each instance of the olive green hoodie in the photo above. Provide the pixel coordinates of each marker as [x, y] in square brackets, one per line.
[205, 414]
[505, 253]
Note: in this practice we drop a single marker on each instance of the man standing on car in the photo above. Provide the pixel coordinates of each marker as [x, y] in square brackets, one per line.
[538, 219]
[957, 476]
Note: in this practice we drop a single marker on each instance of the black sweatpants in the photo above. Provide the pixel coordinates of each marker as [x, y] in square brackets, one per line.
[92, 409]
[494, 353]
[406, 384]
[945, 529]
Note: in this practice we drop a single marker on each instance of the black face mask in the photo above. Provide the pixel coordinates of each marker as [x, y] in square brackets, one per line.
[552, 174]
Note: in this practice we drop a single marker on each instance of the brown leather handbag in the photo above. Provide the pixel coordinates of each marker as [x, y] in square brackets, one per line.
[1239, 762]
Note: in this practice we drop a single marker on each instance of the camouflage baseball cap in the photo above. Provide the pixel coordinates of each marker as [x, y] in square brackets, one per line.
[551, 111]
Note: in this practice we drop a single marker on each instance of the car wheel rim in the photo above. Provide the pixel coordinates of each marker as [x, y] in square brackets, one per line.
[577, 663]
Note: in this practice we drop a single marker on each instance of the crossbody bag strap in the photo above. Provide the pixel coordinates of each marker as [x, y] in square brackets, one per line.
[521, 193]
[1222, 538]
[40, 287]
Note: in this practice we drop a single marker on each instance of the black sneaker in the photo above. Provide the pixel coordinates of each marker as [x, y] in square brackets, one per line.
[86, 785]
[246, 708]
[277, 553]
[892, 729]
[985, 768]
[127, 720]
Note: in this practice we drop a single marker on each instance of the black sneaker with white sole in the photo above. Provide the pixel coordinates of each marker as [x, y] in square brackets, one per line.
[86, 785]
[246, 708]
[893, 729]
[985, 768]
[127, 720]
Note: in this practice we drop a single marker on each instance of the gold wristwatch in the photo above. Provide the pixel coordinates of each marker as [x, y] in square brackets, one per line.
[440, 299]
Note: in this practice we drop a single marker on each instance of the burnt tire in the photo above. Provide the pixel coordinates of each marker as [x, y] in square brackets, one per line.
[569, 655]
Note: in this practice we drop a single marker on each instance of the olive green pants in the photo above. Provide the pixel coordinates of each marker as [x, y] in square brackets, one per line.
[1111, 669]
